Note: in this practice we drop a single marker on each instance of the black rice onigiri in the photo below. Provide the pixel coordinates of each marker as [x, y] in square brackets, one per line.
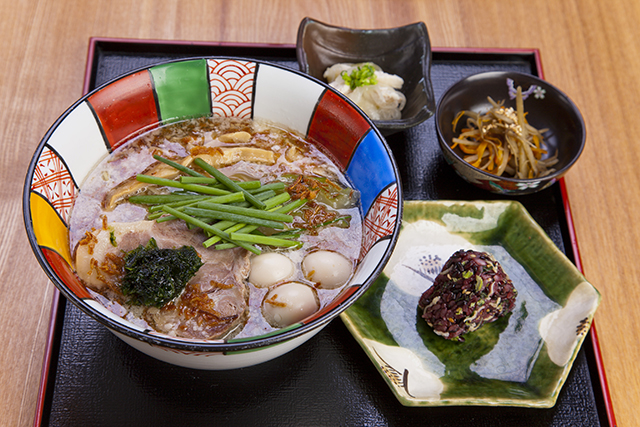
[472, 289]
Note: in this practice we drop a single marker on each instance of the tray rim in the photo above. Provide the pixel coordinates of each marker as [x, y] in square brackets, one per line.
[573, 240]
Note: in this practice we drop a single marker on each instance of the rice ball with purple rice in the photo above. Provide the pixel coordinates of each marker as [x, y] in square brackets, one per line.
[472, 289]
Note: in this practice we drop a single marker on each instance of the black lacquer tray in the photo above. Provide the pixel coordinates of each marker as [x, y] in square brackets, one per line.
[91, 378]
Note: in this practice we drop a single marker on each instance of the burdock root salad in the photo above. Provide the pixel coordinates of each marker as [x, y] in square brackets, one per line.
[472, 289]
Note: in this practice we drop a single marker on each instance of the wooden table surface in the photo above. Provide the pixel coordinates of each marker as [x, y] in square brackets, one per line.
[589, 48]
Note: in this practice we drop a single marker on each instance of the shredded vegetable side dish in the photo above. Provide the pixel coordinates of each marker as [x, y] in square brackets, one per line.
[503, 143]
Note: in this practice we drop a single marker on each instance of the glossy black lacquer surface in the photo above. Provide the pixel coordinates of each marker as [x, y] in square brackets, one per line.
[97, 380]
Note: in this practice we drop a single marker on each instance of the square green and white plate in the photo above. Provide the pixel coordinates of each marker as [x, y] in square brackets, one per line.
[522, 359]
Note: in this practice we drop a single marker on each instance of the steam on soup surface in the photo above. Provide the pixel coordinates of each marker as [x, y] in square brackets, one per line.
[187, 281]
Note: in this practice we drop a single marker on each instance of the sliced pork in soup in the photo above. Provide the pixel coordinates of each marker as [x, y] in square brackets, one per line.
[166, 229]
[214, 301]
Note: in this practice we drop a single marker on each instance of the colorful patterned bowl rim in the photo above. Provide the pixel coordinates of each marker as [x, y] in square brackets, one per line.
[369, 147]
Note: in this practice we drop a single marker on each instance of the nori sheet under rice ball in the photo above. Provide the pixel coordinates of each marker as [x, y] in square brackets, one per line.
[472, 289]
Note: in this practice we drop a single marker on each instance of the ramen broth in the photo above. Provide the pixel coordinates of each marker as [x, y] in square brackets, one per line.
[243, 150]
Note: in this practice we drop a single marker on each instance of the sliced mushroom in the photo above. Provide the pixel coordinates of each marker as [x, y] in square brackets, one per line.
[131, 186]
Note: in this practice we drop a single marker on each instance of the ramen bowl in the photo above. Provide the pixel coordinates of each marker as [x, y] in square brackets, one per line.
[546, 107]
[145, 99]
[404, 51]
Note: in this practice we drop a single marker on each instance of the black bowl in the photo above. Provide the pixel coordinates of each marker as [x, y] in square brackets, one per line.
[546, 108]
[403, 51]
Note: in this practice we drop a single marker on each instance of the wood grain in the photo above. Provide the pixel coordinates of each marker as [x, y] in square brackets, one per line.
[590, 49]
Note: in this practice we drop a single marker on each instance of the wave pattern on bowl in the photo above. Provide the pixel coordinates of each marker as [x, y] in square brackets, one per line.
[146, 99]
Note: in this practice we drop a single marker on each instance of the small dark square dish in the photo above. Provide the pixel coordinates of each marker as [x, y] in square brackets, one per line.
[404, 51]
